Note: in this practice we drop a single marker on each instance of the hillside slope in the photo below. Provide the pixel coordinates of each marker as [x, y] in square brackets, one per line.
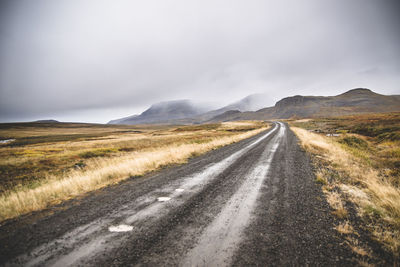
[249, 103]
[164, 112]
[354, 101]
[185, 112]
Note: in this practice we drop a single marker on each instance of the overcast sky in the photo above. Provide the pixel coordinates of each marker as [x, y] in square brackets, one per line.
[93, 60]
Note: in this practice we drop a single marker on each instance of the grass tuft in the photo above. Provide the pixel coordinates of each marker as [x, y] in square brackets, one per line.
[336, 203]
[345, 228]
[353, 141]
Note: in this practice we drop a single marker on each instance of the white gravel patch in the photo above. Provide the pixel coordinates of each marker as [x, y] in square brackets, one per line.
[6, 141]
[179, 190]
[120, 228]
[163, 199]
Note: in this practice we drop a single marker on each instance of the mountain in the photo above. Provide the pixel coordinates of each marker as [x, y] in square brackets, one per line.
[164, 112]
[122, 120]
[47, 121]
[185, 112]
[355, 101]
[249, 103]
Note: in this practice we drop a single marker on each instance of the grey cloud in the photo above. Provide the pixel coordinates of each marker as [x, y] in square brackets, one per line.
[96, 60]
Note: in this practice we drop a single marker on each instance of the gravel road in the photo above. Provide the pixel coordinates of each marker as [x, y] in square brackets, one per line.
[250, 203]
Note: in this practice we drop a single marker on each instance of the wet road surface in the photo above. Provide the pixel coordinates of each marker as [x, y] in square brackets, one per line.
[250, 203]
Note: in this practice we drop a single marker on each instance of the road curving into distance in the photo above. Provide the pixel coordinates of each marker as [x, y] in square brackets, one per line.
[250, 203]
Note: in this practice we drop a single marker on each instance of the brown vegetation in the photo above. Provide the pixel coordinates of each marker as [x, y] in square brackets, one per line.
[361, 165]
[62, 161]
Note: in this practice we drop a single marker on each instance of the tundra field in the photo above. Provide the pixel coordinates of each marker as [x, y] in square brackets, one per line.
[357, 162]
[51, 162]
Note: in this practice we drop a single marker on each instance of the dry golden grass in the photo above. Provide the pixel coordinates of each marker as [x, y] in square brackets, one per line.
[302, 120]
[112, 161]
[320, 177]
[356, 247]
[374, 138]
[377, 198]
[345, 228]
[336, 203]
[33, 158]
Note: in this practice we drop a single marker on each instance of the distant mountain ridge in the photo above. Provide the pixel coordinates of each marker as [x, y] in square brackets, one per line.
[186, 112]
[164, 112]
[47, 121]
[355, 101]
[249, 103]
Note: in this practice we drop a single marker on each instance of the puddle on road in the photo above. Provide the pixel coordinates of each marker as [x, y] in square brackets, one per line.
[120, 228]
[163, 199]
[179, 190]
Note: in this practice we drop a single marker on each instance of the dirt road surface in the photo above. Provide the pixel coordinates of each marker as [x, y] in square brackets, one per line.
[250, 203]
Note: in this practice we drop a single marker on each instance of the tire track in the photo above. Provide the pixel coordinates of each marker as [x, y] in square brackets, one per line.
[251, 203]
[221, 238]
[89, 239]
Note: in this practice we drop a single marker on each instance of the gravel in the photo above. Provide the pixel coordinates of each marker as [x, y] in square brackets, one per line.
[289, 222]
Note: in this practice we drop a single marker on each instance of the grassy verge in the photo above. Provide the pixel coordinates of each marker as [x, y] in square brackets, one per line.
[56, 170]
[359, 164]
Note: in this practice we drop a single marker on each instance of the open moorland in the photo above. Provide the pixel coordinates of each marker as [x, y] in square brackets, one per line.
[357, 160]
[51, 162]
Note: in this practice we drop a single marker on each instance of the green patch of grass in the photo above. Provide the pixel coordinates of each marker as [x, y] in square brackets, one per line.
[30, 153]
[320, 180]
[30, 140]
[393, 153]
[374, 129]
[243, 129]
[200, 127]
[389, 136]
[97, 153]
[342, 131]
[201, 141]
[353, 141]
[79, 165]
[372, 211]
[126, 149]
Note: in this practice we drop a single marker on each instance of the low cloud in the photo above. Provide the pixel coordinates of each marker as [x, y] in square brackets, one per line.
[96, 60]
